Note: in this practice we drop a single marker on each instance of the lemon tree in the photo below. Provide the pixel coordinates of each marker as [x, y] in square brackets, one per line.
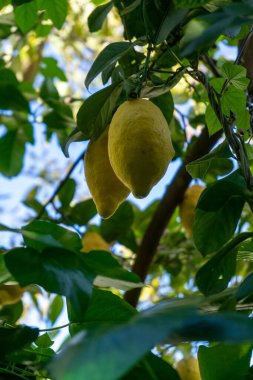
[103, 103]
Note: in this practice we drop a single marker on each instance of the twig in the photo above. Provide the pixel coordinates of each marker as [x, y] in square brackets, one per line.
[211, 64]
[228, 123]
[55, 328]
[61, 184]
[65, 218]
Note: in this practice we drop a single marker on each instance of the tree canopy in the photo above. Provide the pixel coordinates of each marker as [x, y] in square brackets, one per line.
[127, 297]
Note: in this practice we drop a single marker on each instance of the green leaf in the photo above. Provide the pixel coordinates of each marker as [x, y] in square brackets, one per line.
[14, 339]
[212, 121]
[201, 167]
[48, 90]
[41, 234]
[132, 19]
[150, 91]
[98, 16]
[119, 223]
[246, 288]
[26, 16]
[166, 105]
[55, 308]
[224, 361]
[233, 100]
[128, 239]
[201, 32]
[190, 3]
[170, 21]
[67, 192]
[160, 18]
[110, 54]
[4, 273]
[75, 136]
[12, 99]
[44, 341]
[109, 272]
[12, 150]
[57, 122]
[95, 353]
[82, 212]
[56, 270]
[7, 76]
[17, 3]
[50, 69]
[214, 276]
[106, 307]
[152, 367]
[56, 11]
[246, 251]
[96, 111]
[43, 30]
[235, 74]
[218, 210]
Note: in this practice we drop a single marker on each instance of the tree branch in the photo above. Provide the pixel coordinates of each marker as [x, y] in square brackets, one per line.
[172, 197]
[211, 64]
[61, 184]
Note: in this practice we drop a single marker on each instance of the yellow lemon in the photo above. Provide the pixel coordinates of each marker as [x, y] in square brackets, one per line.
[187, 207]
[188, 369]
[10, 294]
[107, 190]
[92, 241]
[139, 145]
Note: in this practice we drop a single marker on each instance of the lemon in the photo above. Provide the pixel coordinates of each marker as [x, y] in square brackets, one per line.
[92, 241]
[188, 369]
[187, 207]
[139, 145]
[107, 190]
[10, 294]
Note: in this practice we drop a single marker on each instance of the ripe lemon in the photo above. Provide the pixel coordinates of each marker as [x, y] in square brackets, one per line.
[92, 241]
[188, 369]
[105, 187]
[187, 207]
[139, 145]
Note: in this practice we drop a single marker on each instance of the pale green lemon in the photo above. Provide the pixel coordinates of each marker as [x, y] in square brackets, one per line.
[187, 207]
[188, 369]
[107, 190]
[139, 145]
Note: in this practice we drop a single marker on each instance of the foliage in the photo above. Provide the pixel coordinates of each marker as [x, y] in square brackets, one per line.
[65, 68]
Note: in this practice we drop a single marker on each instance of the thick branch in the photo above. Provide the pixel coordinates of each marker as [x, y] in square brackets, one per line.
[172, 197]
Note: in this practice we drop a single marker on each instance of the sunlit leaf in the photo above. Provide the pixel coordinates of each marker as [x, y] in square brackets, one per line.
[26, 16]
[235, 74]
[212, 121]
[56, 11]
